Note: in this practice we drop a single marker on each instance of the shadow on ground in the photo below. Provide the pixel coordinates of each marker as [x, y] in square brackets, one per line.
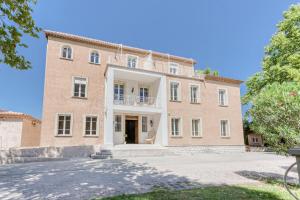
[83, 179]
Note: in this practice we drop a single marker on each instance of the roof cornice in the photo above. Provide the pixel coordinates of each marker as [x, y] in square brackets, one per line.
[111, 45]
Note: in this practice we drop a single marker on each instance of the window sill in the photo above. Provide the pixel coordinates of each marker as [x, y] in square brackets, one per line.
[195, 103]
[63, 135]
[172, 136]
[223, 105]
[69, 59]
[196, 137]
[225, 137]
[91, 136]
[83, 98]
[176, 101]
[94, 63]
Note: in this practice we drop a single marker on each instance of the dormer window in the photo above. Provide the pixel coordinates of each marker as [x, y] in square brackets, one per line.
[173, 68]
[66, 52]
[132, 61]
[94, 57]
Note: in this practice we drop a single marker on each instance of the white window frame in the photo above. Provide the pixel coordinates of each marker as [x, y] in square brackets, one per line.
[146, 124]
[73, 87]
[143, 99]
[99, 57]
[175, 66]
[97, 125]
[178, 92]
[132, 56]
[121, 125]
[179, 128]
[56, 125]
[61, 52]
[228, 128]
[199, 128]
[124, 91]
[226, 97]
[198, 98]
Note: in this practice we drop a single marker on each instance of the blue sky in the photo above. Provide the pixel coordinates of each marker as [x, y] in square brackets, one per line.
[228, 36]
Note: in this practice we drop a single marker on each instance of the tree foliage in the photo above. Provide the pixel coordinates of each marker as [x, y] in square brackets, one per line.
[276, 115]
[15, 20]
[282, 56]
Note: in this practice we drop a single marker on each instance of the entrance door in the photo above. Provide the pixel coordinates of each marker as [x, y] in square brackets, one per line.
[131, 130]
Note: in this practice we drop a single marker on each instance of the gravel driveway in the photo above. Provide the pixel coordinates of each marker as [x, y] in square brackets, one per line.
[85, 178]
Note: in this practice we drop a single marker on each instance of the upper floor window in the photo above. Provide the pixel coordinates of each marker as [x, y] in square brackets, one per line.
[173, 68]
[91, 125]
[174, 91]
[144, 94]
[195, 94]
[132, 61]
[196, 127]
[175, 126]
[80, 85]
[223, 97]
[64, 124]
[94, 57]
[118, 92]
[224, 128]
[66, 52]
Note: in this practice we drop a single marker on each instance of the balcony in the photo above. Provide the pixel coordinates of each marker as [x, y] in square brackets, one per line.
[133, 100]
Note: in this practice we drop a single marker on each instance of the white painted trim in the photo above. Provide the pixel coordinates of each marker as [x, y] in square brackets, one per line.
[56, 125]
[97, 125]
[137, 60]
[146, 123]
[118, 114]
[173, 65]
[228, 124]
[90, 54]
[86, 86]
[179, 90]
[198, 93]
[226, 96]
[61, 52]
[180, 126]
[200, 128]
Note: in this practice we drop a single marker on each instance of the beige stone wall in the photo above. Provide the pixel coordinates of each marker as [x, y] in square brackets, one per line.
[210, 113]
[31, 133]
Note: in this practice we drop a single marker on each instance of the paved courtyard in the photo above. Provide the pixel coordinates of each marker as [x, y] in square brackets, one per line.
[86, 178]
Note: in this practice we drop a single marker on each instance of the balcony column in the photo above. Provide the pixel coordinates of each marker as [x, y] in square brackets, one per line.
[164, 111]
[109, 113]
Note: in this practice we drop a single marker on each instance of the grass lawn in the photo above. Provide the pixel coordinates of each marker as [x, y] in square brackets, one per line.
[268, 190]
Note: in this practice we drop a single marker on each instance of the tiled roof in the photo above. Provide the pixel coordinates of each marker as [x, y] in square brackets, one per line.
[17, 115]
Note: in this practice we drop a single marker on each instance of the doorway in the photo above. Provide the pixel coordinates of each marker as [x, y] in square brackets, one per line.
[131, 129]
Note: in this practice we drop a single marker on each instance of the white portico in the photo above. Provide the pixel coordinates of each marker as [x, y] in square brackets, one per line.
[135, 107]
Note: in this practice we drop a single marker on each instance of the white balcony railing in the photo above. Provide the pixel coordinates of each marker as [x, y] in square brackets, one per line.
[133, 100]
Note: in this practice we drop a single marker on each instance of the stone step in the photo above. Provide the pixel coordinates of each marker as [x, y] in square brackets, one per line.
[101, 156]
[24, 159]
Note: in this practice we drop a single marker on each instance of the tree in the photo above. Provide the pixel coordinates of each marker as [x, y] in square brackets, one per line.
[282, 56]
[275, 115]
[15, 20]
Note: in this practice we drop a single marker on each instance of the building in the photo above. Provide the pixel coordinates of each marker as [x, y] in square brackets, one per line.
[98, 92]
[19, 130]
[255, 140]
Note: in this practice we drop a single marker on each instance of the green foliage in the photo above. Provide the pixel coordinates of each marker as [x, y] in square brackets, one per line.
[215, 73]
[282, 56]
[276, 115]
[247, 130]
[15, 20]
[207, 71]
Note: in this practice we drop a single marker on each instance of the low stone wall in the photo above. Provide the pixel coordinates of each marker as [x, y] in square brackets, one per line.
[20, 155]
[184, 150]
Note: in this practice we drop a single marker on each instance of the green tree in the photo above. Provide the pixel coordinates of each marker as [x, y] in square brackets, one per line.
[275, 115]
[282, 56]
[15, 20]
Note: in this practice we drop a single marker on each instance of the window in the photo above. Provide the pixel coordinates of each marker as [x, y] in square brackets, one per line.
[174, 86]
[255, 140]
[223, 100]
[173, 68]
[196, 127]
[195, 94]
[64, 125]
[91, 125]
[118, 92]
[94, 57]
[66, 52]
[118, 123]
[80, 87]
[144, 94]
[175, 126]
[144, 124]
[224, 128]
[132, 61]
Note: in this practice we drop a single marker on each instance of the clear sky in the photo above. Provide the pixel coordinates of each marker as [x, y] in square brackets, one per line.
[226, 35]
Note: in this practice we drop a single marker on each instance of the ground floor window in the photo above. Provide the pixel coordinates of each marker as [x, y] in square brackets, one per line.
[196, 127]
[118, 123]
[144, 124]
[224, 128]
[175, 126]
[64, 124]
[91, 125]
